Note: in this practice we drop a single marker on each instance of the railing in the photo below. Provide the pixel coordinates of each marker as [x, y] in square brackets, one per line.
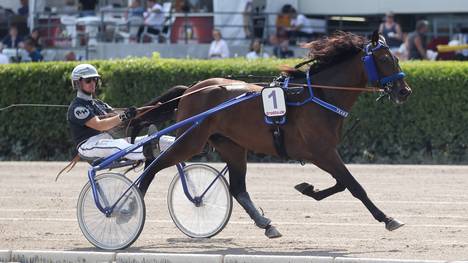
[110, 24]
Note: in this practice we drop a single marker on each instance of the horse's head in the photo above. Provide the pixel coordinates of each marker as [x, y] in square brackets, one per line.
[382, 68]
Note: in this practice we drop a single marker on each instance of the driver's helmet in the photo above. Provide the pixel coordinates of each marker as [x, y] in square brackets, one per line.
[83, 71]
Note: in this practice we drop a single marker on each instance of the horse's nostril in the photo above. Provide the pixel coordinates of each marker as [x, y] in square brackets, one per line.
[405, 92]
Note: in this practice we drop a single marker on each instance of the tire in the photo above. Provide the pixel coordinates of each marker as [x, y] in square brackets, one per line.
[212, 215]
[122, 227]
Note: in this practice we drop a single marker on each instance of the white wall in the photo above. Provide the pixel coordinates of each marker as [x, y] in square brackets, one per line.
[10, 4]
[363, 7]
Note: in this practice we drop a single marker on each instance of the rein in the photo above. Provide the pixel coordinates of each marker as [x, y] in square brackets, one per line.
[369, 89]
[146, 109]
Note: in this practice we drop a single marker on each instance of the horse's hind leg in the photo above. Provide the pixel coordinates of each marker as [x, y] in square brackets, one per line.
[308, 189]
[332, 163]
[236, 158]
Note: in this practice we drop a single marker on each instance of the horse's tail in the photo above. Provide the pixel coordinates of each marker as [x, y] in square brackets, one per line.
[168, 102]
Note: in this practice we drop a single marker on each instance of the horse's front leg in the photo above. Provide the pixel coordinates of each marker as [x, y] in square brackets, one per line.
[331, 162]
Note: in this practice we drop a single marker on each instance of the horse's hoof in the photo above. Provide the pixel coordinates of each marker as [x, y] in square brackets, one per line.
[393, 224]
[262, 222]
[305, 188]
[272, 232]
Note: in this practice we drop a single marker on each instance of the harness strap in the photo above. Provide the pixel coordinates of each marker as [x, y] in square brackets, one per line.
[278, 141]
[69, 166]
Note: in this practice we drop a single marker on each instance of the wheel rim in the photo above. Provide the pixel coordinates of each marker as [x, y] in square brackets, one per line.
[120, 229]
[212, 214]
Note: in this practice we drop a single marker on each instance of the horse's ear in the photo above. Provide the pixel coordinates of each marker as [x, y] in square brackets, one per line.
[375, 37]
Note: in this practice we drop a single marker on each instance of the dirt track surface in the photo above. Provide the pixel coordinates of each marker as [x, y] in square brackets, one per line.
[38, 213]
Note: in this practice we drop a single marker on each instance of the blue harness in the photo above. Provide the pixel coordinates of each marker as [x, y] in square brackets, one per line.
[372, 75]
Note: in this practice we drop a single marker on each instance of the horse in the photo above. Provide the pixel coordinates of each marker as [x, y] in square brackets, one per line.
[311, 133]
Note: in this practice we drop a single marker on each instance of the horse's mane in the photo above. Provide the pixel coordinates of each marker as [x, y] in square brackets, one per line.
[330, 50]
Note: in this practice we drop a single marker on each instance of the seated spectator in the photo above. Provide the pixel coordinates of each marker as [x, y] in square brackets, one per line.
[417, 41]
[12, 40]
[283, 51]
[218, 48]
[301, 26]
[24, 9]
[154, 20]
[36, 38]
[34, 54]
[392, 32]
[4, 59]
[70, 56]
[256, 50]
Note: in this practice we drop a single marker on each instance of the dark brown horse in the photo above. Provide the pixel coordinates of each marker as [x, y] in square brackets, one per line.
[311, 133]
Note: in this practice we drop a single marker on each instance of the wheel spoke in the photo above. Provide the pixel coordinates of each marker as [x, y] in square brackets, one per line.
[115, 232]
[209, 218]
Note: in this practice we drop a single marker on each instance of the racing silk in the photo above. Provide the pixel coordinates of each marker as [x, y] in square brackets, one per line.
[82, 110]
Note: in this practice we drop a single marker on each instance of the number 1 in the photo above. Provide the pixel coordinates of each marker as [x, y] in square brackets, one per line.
[273, 94]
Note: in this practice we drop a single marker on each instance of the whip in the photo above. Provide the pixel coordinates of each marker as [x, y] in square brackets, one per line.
[33, 105]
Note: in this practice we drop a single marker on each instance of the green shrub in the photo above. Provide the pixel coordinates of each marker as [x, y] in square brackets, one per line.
[430, 128]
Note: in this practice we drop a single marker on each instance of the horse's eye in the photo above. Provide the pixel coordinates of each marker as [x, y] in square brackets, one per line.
[385, 58]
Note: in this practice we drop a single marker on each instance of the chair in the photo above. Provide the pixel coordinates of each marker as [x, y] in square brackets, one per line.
[129, 29]
[91, 25]
[166, 26]
[70, 26]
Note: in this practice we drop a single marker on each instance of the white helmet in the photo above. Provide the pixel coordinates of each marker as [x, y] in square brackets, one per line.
[83, 71]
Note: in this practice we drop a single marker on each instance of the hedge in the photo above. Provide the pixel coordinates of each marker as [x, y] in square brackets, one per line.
[430, 128]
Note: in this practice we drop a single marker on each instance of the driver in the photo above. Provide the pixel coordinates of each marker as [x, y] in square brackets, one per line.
[90, 120]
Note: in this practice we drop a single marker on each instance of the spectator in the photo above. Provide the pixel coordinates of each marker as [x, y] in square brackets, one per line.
[301, 26]
[256, 50]
[12, 40]
[218, 48]
[24, 9]
[283, 21]
[417, 41]
[4, 59]
[34, 54]
[135, 9]
[88, 7]
[392, 32]
[246, 16]
[154, 20]
[70, 56]
[283, 51]
[36, 38]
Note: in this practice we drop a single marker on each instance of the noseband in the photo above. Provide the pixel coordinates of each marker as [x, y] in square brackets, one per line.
[372, 72]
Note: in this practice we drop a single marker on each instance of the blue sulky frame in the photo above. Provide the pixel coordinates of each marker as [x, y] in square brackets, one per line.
[195, 121]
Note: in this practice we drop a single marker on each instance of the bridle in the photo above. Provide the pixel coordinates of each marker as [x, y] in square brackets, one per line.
[372, 72]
